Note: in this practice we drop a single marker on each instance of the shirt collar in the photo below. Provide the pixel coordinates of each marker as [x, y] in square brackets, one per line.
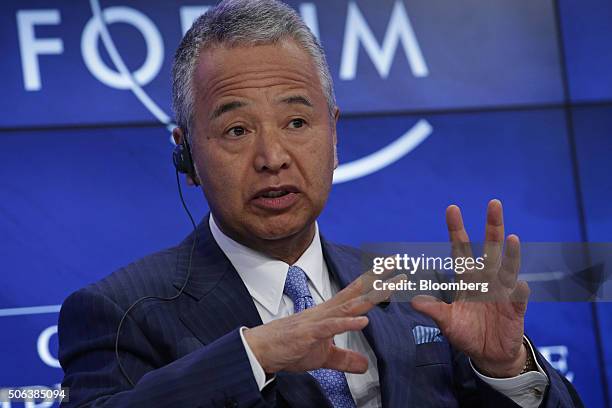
[264, 276]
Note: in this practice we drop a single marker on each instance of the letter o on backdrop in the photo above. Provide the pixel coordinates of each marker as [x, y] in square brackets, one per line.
[154, 43]
[43, 347]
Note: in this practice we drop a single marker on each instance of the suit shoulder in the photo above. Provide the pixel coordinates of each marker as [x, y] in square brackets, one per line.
[148, 276]
[345, 254]
[346, 250]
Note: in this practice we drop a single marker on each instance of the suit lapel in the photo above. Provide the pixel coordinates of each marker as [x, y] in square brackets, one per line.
[388, 333]
[219, 302]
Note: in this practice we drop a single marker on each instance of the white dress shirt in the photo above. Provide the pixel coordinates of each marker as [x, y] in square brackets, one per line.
[264, 278]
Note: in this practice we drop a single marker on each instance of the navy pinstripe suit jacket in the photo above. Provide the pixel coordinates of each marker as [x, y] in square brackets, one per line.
[188, 352]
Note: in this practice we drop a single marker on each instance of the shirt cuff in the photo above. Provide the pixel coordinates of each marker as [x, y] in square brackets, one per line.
[258, 372]
[526, 390]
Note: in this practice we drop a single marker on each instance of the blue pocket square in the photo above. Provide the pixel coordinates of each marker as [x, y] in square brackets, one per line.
[426, 334]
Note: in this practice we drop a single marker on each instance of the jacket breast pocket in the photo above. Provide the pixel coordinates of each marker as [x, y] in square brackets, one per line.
[433, 380]
[433, 353]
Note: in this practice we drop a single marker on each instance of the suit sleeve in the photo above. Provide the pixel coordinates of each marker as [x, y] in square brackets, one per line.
[473, 392]
[217, 375]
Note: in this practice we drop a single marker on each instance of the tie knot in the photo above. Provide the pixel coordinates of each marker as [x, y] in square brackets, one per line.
[296, 285]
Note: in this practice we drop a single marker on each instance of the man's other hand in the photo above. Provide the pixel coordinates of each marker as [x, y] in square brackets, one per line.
[304, 341]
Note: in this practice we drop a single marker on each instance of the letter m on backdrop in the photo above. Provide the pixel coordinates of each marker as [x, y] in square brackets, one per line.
[399, 29]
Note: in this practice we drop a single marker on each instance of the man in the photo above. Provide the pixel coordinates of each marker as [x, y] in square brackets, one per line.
[268, 313]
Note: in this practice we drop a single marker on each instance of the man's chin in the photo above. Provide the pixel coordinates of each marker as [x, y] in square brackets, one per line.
[281, 227]
[279, 232]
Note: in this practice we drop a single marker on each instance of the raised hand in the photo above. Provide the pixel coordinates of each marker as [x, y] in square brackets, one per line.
[488, 327]
[304, 341]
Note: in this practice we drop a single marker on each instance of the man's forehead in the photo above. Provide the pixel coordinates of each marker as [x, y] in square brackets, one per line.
[223, 69]
[226, 61]
[286, 48]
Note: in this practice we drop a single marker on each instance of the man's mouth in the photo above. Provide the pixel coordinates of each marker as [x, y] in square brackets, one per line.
[276, 198]
[275, 193]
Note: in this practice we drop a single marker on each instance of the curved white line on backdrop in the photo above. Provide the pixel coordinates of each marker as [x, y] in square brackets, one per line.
[136, 89]
[42, 345]
[345, 172]
[31, 310]
[385, 156]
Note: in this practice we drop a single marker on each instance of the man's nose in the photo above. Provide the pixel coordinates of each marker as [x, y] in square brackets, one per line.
[271, 153]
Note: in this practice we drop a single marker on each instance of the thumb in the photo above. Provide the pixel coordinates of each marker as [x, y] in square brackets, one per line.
[433, 307]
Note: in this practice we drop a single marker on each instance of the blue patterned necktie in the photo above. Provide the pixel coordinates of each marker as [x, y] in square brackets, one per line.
[333, 382]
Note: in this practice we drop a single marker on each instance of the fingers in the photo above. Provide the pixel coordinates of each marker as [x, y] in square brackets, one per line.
[494, 229]
[376, 296]
[357, 306]
[328, 328]
[365, 302]
[351, 291]
[511, 262]
[519, 297]
[494, 233]
[358, 287]
[433, 307]
[296, 344]
[460, 241]
[346, 360]
[454, 222]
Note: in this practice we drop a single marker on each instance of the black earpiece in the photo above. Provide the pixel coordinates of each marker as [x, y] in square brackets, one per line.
[181, 157]
[187, 273]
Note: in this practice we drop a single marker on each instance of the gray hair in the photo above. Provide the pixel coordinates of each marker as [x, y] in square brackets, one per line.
[241, 22]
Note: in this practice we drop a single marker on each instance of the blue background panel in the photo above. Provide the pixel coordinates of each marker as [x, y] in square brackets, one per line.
[593, 127]
[520, 157]
[587, 34]
[28, 332]
[83, 203]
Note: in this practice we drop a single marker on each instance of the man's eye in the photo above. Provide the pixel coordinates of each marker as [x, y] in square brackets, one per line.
[297, 123]
[236, 131]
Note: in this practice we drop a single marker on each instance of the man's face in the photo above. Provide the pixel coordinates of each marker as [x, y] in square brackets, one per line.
[263, 140]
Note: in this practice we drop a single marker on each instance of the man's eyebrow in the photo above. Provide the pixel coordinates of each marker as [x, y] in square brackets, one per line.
[297, 99]
[226, 107]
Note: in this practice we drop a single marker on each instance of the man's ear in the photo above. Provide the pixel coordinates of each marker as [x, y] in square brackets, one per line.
[178, 136]
[334, 135]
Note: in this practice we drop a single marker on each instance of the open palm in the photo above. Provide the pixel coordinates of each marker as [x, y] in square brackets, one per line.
[489, 326]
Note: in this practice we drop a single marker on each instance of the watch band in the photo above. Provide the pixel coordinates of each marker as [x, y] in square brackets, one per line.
[530, 364]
